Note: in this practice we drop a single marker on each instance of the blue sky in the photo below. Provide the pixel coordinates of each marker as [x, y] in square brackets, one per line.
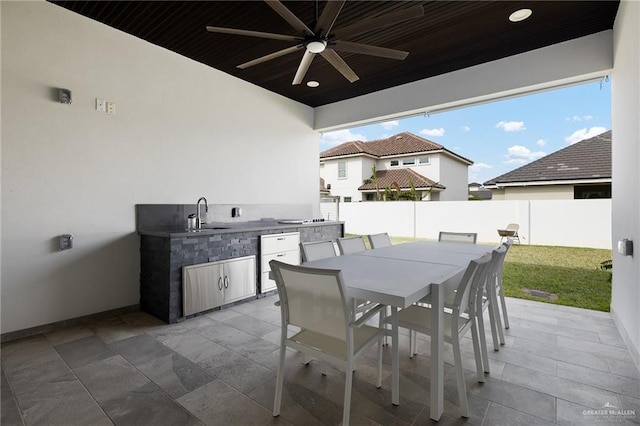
[503, 135]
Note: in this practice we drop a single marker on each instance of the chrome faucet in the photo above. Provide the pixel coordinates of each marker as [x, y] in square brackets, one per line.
[206, 209]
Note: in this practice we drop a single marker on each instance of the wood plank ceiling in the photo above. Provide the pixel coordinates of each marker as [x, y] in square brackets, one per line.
[451, 35]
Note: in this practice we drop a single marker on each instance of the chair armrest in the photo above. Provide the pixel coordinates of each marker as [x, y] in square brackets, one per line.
[365, 317]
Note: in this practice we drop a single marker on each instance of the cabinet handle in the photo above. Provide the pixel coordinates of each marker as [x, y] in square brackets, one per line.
[281, 238]
[226, 281]
[220, 283]
[282, 255]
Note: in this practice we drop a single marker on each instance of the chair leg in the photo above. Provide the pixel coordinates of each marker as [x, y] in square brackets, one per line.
[483, 341]
[347, 393]
[379, 373]
[477, 352]
[492, 321]
[279, 381]
[462, 391]
[504, 304]
[496, 315]
[497, 322]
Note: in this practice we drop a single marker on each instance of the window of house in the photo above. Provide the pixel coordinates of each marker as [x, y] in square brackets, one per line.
[394, 163]
[369, 196]
[342, 170]
[424, 160]
[591, 191]
[408, 161]
[347, 199]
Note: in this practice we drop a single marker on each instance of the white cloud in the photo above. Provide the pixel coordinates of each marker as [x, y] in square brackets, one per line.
[390, 124]
[477, 170]
[330, 139]
[511, 126]
[581, 134]
[581, 118]
[541, 142]
[480, 166]
[518, 154]
[432, 132]
[466, 128]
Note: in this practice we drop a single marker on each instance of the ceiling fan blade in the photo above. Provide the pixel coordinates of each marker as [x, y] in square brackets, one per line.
[334, 59]
[252, 33]
[329, 15]
[381, 21]
[270, 56]
[288, 16]
[305, 63]
[365, 49]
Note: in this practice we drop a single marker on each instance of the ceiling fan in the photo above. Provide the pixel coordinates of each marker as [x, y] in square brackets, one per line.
[325, 41]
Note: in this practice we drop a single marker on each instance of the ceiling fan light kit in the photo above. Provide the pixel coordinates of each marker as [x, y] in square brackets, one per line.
[323, 40]
[316, 46]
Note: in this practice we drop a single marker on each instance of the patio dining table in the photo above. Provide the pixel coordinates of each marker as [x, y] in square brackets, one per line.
[400, 275]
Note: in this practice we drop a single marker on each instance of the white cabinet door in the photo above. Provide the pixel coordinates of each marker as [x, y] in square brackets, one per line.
[239, 279]
[202, 287]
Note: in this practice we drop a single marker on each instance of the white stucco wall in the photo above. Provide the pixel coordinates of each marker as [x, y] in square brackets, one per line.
[571, 223]
[181, 131]
[625, 189]
[454, 175]
[543, 192]
[358, 169]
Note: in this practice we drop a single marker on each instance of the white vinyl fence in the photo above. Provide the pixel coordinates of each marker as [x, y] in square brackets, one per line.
[572, 223]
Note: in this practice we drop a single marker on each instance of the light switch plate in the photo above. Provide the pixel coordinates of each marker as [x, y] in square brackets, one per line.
[111, 108]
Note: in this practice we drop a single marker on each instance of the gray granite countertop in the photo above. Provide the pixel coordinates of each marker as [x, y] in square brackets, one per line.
[230, 227]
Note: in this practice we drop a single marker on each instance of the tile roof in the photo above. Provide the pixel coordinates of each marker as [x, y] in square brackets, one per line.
[587, 159]
[402, 143]
[403, 177]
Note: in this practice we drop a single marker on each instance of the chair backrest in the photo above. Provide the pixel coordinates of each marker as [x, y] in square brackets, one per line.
[497, 260]
[502, 251]
[458, 237]
[379, 240]
[473, 279]
[317, 250]
[312, 299]
[513, 227]
[351, 245]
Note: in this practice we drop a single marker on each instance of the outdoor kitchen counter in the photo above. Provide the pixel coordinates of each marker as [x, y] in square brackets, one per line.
[165, 251]
[233, 228]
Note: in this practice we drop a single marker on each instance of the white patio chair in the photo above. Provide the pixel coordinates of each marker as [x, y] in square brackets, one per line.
[457, 237]
[317, 250]
[351, 245]
[488, 302]
[510, 233]
[316, 301]
[462, 318]
[379, 240]
[354, 245]
[499, 289]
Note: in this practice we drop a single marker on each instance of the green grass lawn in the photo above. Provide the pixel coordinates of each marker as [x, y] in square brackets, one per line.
[571, 273]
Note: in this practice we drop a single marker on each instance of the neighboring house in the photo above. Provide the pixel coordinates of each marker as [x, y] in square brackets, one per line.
[411, 162]
[478, 192]
[582, 170]
[324, 191]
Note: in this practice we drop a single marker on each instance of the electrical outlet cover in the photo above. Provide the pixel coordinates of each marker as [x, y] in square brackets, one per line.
[101, 105]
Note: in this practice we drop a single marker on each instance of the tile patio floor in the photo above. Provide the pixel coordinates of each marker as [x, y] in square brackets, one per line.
[219, 369]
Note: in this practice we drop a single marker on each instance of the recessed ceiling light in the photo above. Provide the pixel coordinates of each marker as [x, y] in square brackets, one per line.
[520, 15]
[313, 83]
